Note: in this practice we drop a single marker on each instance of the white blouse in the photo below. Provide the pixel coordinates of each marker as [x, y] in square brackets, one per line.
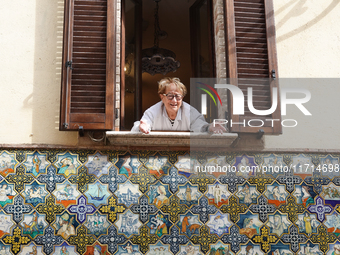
[187, 119]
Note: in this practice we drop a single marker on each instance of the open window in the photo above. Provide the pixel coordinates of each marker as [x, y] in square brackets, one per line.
[103, 87]
[187, 31]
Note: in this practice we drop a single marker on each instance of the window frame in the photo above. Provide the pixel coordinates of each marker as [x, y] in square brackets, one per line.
[115, 66]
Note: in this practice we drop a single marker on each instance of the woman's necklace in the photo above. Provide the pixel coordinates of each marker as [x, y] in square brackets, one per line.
[172, 122]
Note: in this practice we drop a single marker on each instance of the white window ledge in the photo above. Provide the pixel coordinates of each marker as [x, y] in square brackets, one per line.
[170, 139]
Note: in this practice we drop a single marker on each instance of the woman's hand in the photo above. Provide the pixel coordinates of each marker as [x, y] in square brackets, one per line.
[216, 129]
[144, 127]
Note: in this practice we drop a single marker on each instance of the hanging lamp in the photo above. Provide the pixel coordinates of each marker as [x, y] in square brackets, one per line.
[157, 60]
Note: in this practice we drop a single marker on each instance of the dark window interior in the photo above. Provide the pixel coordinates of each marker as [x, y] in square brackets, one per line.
[188, 39]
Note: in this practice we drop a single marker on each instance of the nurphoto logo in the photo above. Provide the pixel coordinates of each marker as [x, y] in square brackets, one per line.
[239, 99]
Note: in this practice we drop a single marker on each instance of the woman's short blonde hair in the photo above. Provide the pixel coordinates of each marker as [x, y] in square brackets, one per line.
[164, 83]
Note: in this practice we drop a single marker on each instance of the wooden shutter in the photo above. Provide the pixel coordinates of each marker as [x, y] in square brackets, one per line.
[251, 60]
[88, 69]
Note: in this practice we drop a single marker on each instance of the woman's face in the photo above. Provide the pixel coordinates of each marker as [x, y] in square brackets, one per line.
[172, 106]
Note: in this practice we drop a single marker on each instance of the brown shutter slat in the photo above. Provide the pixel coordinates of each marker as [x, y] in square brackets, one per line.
[88, 85]
[93, 28]
[251, 57]
[94, 23]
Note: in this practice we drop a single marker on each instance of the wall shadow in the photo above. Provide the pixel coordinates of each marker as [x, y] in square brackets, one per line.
[47, 74]
[297, 10]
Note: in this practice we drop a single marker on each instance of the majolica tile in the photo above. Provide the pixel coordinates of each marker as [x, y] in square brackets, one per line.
[97, 193]
[219, 248]
[128, 223]
[247, 194]
[245, 166]
[66, 194]
[188, 194]
[174, 239]
[96, 248]
[82, 208]
[7, 163]
[128, 248]
[7, 193]
[168, 203]
[249, 224]
[112, 239]
[98, 164]
[159, 224]
[302, 165]
[294, 238]
[36, 163]
[158, 165]
[331, 194]
[48, 240]
[31, 249]
[219, 224]
[334, 248]
[96, 224]
[184, 165]
[65, 225]
[159, 194]
[189, 224]
[65, 249]
[190, 249]
[6, 224]
[276, 194]
[67, 164]
[34, 193]
[127, 165]
[329, 166]
[159, 248]
[234, 239]
[216, 161]
[5, 249]
[128, 193]
[217, 194]
[250, 248]
[33, 224]
[304, 194]
[308, 223]
[278, 224]
[280, 248]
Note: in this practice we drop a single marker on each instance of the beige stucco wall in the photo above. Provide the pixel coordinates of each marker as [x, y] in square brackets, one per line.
[308, 37]
[308, 41]
[31, 41]
[308, 45]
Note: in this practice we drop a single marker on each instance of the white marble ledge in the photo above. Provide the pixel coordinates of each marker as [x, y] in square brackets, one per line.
[172, 139]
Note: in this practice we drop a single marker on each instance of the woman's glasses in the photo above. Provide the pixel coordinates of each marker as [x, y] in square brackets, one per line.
[179, 97]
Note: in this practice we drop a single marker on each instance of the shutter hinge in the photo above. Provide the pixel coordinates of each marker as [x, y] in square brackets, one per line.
[81, 131]
[273, 74]
[65, 125]
[116, 113]
[69, 64]
[260, 134]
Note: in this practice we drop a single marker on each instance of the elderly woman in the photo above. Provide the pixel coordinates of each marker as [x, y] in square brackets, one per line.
[171, 113]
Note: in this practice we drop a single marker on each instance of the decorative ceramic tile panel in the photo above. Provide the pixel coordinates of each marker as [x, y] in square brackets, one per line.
[164, 203]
